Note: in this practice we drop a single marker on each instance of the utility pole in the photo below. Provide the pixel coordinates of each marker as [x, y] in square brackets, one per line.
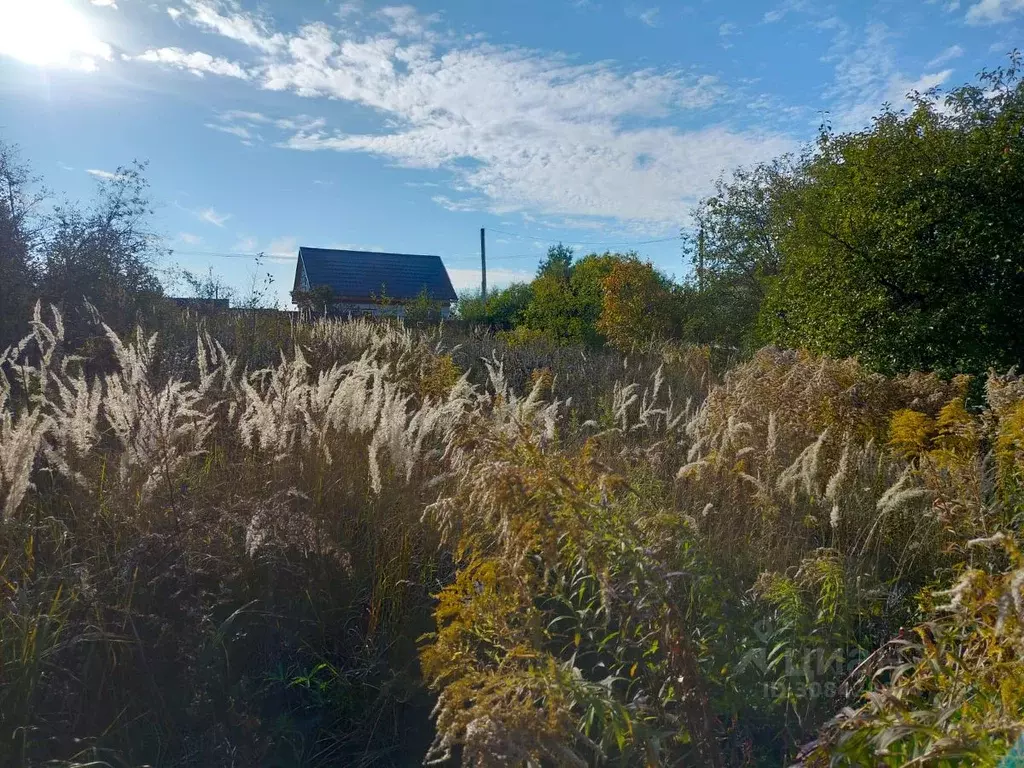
[483, 266]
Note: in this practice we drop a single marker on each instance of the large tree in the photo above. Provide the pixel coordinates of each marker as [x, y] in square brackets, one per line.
[19, 230]
[904, 243]
[565, 307]
[733, 250]
[637, 303]
[104, 254]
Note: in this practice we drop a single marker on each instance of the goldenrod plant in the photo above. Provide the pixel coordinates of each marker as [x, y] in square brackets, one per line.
[386, 544]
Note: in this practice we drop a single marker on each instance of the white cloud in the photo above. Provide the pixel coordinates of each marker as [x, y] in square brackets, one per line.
[518, 129]
[781, 11]
[406, 21]
[197, 62]
[210, 216]
[234, 130]
[246, 125]
[953, 52]
[469, 279]
[234, 24]
[174, 13]
[648, 16]
[283, 248]
[102, 175]
[247, 244]
[348, 9]
[993, 11]
[189, 239]
[727, 29]
[105, 3]
[867, 77]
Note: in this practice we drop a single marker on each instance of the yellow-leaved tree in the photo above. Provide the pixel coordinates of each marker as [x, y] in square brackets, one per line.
[636, 304]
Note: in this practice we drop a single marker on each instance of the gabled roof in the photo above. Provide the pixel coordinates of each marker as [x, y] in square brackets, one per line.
[362, 274]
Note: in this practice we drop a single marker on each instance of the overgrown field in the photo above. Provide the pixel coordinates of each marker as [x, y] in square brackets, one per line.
[387, 545]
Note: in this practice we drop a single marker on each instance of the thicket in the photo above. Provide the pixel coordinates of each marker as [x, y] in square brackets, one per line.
[386, 546]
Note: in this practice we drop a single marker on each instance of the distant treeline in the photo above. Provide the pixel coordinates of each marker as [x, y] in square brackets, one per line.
[901, 244]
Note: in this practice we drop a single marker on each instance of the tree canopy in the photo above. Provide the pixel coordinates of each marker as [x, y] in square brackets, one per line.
[904, 244]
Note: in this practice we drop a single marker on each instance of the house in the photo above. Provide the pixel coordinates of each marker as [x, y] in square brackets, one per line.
[368, 283]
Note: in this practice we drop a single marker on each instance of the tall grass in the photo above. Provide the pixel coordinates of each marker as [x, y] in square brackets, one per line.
[356, 543]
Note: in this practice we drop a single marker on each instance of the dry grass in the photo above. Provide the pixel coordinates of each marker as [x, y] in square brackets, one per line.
[212, 556]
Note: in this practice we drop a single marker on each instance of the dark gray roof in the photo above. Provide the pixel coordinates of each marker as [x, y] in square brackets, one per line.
[361, 274]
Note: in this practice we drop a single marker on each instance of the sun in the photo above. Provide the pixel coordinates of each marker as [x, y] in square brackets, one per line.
[49, 33]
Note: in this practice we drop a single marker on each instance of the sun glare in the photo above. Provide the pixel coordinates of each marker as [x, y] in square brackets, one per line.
[49, 33]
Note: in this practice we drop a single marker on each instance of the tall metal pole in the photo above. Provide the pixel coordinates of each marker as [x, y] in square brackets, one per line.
[483, 265]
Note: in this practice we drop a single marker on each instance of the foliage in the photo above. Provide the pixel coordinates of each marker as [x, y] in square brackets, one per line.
[210, 287]
[635, 561]
[65, 253]
[316, 300]
[950, 691]
[245, 540]
[104, 253]
[557, 263]
[547, 646]
[902, 242]
[637, 304]
[566, 307]
[423, 309]
[18, 238]
[505, 310]
[734, 252]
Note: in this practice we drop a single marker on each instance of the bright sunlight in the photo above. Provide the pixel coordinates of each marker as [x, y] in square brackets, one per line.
[49, 33]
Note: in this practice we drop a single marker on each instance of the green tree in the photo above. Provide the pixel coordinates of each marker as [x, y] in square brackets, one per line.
[423, 310]
[904, 243]
[733, 252]
[316, 300]
[558, 262]
[104, 254]
[505, 308]
[210, 287]
[19, 232]
[566, 308]
[637, 303]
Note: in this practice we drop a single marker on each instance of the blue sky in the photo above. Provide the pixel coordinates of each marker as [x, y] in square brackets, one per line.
[282, 123]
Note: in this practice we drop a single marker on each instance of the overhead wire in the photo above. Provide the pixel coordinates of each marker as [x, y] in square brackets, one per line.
[228, 255]
[495, 257]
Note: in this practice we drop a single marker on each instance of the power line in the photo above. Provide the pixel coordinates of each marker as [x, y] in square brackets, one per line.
[223, 254]
[228, 255]
[586, 242]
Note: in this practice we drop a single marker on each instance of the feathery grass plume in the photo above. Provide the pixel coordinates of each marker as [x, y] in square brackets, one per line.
[159, 430]
[611, 545]
[23, 435]
[20, 440]
[951, 690]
